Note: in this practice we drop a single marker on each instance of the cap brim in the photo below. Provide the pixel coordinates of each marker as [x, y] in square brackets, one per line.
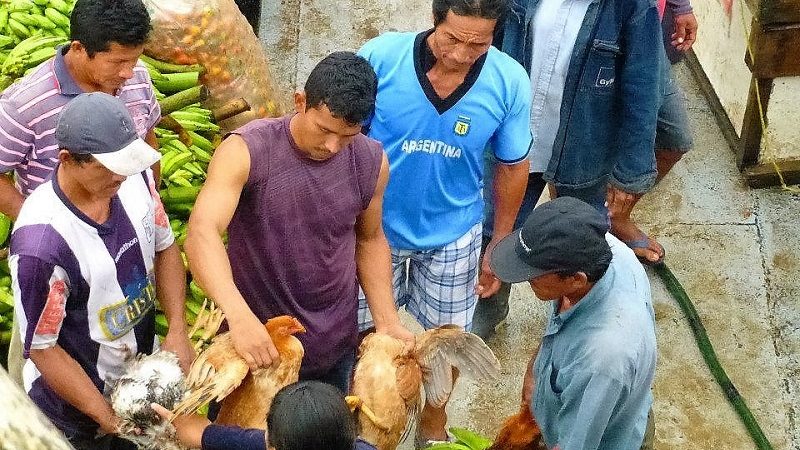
[131, 159]
[507, 265]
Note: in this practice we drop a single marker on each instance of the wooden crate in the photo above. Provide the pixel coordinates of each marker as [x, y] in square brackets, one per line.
[775, 50]
[775, 12]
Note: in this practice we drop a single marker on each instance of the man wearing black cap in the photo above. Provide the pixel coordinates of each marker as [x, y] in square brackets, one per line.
[90, 251]
[589, 386]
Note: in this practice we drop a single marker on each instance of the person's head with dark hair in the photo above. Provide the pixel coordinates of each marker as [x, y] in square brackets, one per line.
[484, 9]
[339, 96]
[310, 415]
[463, 31]
[107, 39]
[346, 84]
[561, 250]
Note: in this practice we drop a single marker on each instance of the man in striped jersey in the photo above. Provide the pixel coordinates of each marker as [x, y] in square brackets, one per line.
[91, 250]
[107, 39]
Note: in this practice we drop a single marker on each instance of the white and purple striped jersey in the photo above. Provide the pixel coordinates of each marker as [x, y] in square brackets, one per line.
[29, 112]
[86, 287]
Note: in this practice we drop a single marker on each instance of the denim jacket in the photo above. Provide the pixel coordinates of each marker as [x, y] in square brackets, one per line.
[611, 94]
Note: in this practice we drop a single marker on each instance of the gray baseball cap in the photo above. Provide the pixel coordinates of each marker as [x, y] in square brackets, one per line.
[564, 234]
[100, 125]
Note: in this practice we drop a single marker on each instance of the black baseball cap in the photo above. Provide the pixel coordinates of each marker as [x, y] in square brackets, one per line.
[99, 124]
[564, 234]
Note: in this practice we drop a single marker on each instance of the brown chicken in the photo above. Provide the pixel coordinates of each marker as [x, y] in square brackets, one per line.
[519, 432]
[219, 373]
[387, 380]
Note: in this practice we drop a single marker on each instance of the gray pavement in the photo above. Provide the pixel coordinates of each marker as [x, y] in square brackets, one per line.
[734, 249]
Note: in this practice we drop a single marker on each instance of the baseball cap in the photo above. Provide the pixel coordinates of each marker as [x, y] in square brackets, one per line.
[99, 124]
[564, 234]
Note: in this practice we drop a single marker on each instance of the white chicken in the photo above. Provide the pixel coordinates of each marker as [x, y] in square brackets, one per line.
[155, 378]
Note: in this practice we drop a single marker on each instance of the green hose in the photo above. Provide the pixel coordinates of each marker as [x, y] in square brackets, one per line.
[674, 287]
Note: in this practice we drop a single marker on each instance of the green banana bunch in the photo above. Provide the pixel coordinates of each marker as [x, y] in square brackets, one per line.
[30, 53]
[5, 228]
[6, 299]
[34, 28]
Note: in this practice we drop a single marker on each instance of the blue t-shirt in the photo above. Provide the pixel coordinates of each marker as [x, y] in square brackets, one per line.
[435, 146]
[594, 371]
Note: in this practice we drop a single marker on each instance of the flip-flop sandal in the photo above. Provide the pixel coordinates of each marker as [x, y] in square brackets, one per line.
[644, 242]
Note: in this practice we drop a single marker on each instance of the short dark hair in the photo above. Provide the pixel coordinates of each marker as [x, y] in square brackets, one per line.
[485, 9]
[594, 272]
[98, 23]
[81, 158]
[346, 84]
[310, 414]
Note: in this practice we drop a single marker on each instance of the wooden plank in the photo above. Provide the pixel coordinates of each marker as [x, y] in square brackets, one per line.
[774, 50]
[775, 12]
[721, 116]
[764, 175]
[752, 127]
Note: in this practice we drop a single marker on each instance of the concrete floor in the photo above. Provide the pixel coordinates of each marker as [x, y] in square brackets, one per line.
[734, 249]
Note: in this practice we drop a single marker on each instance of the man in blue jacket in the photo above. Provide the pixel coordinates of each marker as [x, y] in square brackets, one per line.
[595, 97]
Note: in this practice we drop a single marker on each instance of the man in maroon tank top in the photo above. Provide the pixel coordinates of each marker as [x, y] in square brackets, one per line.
[301, 198]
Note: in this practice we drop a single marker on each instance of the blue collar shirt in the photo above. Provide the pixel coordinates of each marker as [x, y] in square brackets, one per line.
[595, 368]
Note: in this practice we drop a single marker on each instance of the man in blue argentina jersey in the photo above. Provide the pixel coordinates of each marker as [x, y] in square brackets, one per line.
[90, 251]
[443, 96]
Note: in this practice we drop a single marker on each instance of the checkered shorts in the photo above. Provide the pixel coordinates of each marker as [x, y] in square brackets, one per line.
[436, 286]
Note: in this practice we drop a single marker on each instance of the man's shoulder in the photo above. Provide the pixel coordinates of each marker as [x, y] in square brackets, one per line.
[368, 143]
[508, 68]
[269, 130]
[30, 89]
[41, 206]
[36, 228]
[614, 353]
[387, 44]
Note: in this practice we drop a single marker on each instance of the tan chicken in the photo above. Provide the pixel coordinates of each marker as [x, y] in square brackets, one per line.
[219, 373]
[519, 432]
[387, 380]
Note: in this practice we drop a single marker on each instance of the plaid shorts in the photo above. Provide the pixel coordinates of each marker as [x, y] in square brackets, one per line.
[437, 287]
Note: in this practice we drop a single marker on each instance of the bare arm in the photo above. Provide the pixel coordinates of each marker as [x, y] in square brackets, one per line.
[510, 182]
[68, 379]
[171, 291]
[208, 260]
[528, 382]
[10, 198]
[374, 263]
[188, 429]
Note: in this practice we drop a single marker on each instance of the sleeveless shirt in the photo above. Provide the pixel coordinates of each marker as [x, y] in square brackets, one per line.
[291, 241]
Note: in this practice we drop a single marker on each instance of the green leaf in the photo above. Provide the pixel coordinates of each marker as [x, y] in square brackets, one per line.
[471, 439]
[448, 446]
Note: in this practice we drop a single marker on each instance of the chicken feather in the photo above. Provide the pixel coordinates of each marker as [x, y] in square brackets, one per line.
[388, 379]
[219, 373]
